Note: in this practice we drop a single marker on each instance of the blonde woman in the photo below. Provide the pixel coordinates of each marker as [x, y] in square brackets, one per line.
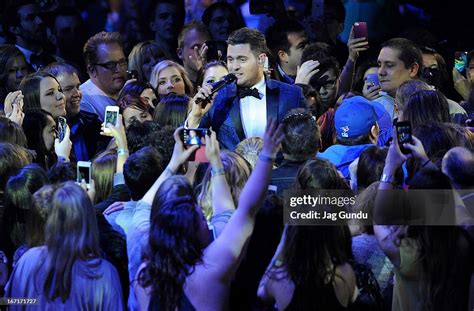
[169, 77]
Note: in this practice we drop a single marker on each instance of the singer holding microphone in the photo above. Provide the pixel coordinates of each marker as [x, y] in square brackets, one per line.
[241, 110]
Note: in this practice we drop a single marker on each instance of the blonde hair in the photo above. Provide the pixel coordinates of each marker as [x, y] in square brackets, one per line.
[249, 149]
[237, 172]
[188, 85]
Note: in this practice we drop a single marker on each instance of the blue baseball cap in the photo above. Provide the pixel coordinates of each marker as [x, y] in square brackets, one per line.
[355, 117]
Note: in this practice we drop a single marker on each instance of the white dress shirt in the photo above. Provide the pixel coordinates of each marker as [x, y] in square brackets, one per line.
[253, 112]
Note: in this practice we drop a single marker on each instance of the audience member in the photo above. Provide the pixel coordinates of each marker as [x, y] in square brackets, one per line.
[143, 58]
[84, 126]
[302, 141]
[142, 89]
[249, 149]
[69, 266]
[286, 40]
[221, 20]
[106, 65]
[356, 129]
[103, 170]
[166, 20]
[13, 68]
[399, 60]
[168, 77]
[172, 110]
[25, 28]
[11, 132]
[40, 132]
[134, 108]
[42, 91]
[191, 50]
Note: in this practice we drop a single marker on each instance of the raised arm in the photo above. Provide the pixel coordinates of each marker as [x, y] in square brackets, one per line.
[223, 253]
[179, 157]
[221, 196]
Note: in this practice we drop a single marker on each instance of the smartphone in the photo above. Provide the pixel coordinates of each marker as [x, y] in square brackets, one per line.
[403, 135]
[132, 74]
[360, 30]
[460, 61]
[211, 53]
[62, 125]
[84, 171]
[111, 116]
[373, 79]
[193, 137]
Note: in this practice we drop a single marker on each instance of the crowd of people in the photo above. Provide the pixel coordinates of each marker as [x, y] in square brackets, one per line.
[119, 211]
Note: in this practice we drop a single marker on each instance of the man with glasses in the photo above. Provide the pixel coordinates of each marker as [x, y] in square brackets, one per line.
[107, 68]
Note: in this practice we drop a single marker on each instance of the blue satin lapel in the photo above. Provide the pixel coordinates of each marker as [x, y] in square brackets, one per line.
[236, 118]
[273, 101]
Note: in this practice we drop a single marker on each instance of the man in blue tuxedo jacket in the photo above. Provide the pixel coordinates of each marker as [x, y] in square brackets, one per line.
[241, 110]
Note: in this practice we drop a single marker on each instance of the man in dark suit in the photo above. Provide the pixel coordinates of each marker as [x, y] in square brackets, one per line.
[241, 110]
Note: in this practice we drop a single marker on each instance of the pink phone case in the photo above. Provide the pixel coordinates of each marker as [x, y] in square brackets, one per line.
[360, 30]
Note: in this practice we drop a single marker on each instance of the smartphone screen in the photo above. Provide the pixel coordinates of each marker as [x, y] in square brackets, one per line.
[62, 123]
[194, 136]
[404, 135]
[84, 171]
[460, 61]
[111, 117]
[360, 30]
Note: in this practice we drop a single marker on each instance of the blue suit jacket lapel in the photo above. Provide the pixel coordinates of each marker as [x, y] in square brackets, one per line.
[230, 110]
[273, 100]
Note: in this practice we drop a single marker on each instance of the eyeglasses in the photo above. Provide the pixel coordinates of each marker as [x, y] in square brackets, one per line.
[112, 65]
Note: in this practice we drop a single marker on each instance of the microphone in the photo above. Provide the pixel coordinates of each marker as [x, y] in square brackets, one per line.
[216, 86]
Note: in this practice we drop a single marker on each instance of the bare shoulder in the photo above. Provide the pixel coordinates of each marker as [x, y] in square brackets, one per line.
[344, 284]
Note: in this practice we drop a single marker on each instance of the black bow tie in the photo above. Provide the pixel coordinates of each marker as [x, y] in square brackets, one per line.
[244, 92]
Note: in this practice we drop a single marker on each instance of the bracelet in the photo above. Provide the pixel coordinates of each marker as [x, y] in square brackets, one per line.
[122, 151]
[170, 171]
[386, 178]
[426, 162]
[217, 172]
[266, 158]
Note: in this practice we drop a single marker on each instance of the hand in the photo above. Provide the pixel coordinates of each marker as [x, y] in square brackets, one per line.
[91, 190]
[13, 98]
[356, 45]
[117, 132]
[461, 84]
[395, 157]
[17, 114]
[180, 154]
[370, 91]
[114, 207]
[417, 149]
[272, 138]
[63, 148]
[213, 153]
[306, 71]
[204, 93]
[198, 57]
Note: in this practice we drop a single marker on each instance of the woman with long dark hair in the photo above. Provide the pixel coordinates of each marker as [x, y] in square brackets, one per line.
[310, 269]
[68, 271]
[181, 266]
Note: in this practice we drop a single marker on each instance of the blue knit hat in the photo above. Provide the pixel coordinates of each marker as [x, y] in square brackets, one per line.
[355, 117]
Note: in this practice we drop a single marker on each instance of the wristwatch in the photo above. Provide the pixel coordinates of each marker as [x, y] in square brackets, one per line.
[387, 178]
